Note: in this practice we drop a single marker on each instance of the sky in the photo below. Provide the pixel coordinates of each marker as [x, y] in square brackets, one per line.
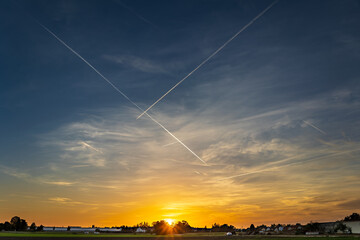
[274, 114]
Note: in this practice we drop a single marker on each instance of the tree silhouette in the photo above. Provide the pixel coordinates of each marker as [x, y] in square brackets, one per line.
[40, 228]
[181, 227]
[144, 225]
[8, 226]
[352, 217]
[33, 227]
[252, 227]
[162, 228]
[18, 224]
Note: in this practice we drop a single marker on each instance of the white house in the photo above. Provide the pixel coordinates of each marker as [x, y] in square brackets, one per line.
[57, 229]
[80, 229]
[110, 230]
[140, 230]
[354, 225]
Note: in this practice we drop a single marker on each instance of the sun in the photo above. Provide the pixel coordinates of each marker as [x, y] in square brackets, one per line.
[169, 221]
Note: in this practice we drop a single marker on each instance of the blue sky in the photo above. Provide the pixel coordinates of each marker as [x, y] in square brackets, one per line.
[280, 103]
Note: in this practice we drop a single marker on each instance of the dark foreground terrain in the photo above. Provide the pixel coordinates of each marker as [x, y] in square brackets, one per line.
[177, 237]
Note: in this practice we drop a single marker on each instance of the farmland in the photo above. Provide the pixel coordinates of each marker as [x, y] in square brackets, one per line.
[191, 236]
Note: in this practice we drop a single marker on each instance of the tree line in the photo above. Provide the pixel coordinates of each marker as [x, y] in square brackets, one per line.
[163, 228]
[18, 224]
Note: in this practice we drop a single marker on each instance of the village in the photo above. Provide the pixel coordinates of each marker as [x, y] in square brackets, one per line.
[348, 225]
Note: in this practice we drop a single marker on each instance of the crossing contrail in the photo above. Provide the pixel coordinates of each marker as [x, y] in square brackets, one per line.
[118, 90]
[313, 126]
[212, 55]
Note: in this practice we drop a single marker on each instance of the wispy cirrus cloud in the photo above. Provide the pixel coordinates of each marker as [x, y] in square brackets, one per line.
[59, 199]
[62, 183]
[69, 201]
[249, 151]
[28, 177]
[138, 63]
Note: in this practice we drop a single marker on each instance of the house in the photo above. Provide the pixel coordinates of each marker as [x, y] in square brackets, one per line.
[70, 229]
[80, 229]
[354, 225]
[56, 229]
[140, 230]
[113, 230]
[75, 229]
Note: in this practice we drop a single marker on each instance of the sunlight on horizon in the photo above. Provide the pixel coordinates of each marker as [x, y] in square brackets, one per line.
[169, 221]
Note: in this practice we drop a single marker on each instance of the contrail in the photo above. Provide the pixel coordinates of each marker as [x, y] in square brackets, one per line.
[212, 55]
[89, 146]
[135, 13]
[168, 144]
[118, 90]
[311, 125]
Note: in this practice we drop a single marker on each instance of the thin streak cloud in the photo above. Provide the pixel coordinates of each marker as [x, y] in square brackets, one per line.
[90, 147]
[169, 144]
[119, 91]
[315, 127]
[135, 13]
[211, 56]
[292, 164]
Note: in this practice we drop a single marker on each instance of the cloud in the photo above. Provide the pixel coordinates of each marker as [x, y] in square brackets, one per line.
[350, 205]
[70, 202]
[138, 63]
[33, 178]
[60, 183]
[59, 199]
[109, 155]
[257, 142]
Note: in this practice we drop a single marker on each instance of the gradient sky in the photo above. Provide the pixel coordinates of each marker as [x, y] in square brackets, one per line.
[275, 114]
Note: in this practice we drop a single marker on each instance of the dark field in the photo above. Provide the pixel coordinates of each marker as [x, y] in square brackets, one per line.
[57, 236]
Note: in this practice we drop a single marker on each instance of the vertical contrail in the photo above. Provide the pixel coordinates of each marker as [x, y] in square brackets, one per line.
[313, 126]
[118, 90]
[212, 55]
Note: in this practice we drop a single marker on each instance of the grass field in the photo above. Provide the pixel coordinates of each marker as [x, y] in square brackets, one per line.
[189, 236]
[119, 235]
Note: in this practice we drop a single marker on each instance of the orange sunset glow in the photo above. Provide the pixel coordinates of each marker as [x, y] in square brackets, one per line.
[117, 113]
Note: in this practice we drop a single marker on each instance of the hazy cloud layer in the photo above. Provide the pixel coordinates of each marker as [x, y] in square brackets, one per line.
[137, 63]
[275, 114]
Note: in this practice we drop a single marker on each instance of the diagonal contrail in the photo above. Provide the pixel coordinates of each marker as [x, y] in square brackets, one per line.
[313, 126]
[135, 13]
[169, 144]
[212, 55]
[118, 90]
[85, 144]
